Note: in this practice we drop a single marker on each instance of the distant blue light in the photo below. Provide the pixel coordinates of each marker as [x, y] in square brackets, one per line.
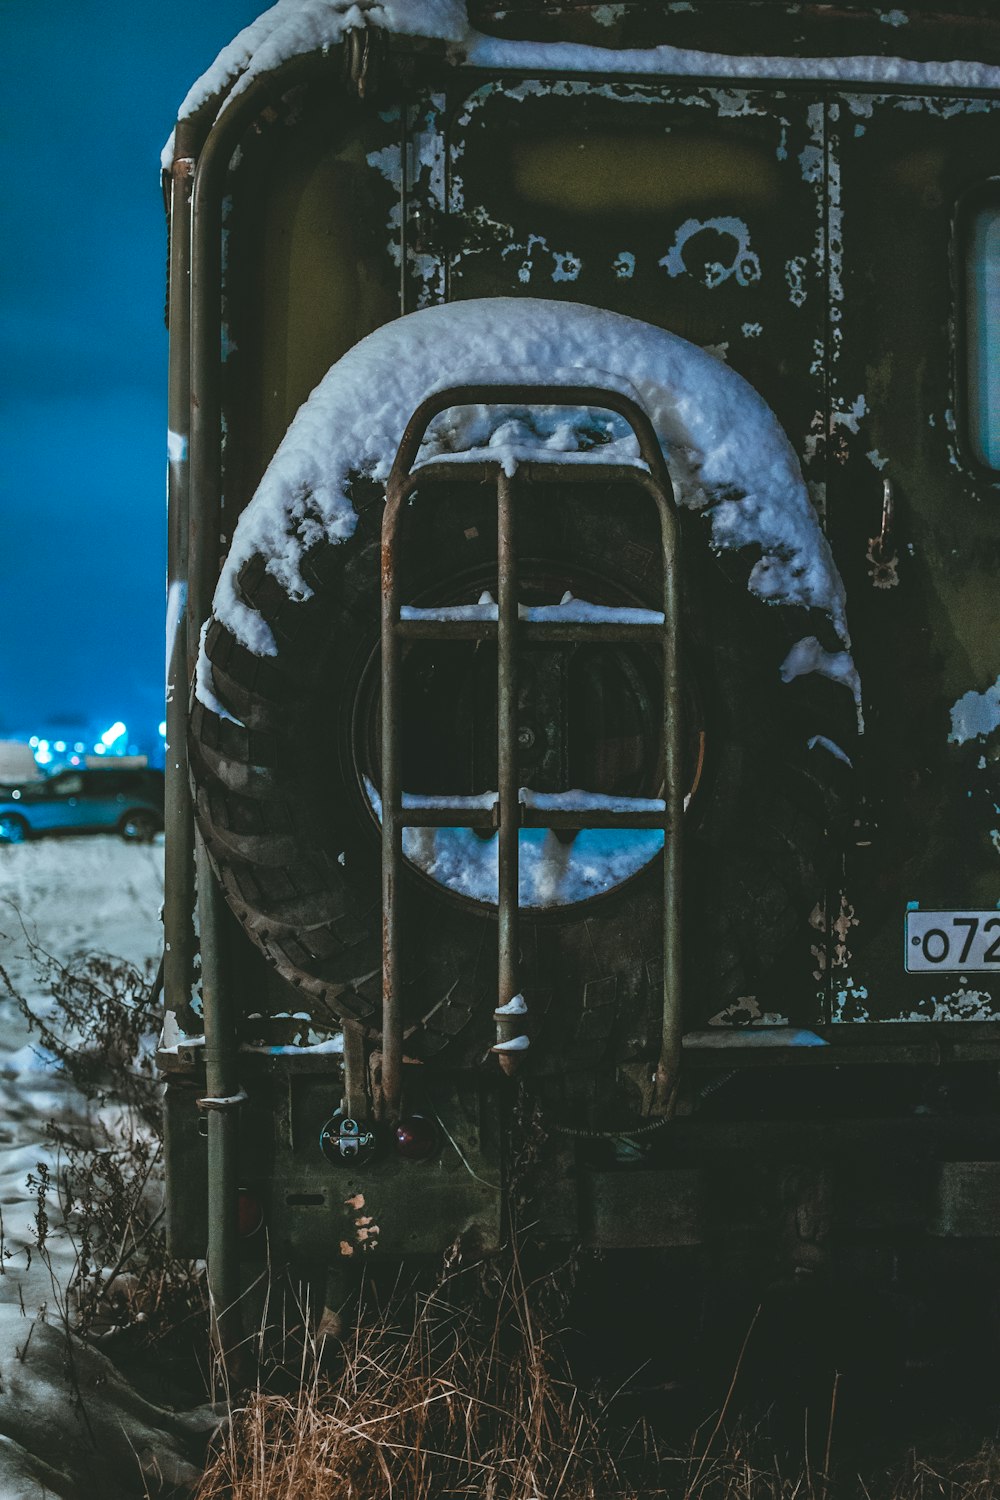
[109, 736]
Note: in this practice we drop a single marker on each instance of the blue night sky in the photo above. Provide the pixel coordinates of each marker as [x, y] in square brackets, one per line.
[91, 89]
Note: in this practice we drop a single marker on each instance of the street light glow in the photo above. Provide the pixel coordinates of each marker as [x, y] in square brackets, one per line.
[114, 733]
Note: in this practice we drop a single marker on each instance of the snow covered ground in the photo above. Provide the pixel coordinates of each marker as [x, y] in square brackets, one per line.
[69, 1424]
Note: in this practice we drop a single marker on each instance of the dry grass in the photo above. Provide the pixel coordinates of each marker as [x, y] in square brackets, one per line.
[468, 1397]
[468, 1394]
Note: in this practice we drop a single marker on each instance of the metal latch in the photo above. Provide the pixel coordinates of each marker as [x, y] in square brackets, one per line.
[346, 1141]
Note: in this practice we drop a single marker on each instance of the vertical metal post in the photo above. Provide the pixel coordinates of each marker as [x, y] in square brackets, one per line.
[508, 807]
[392, 830]
[196, 386]
[222, 1109]
[178, 874]
[204, 548]
[671, 1040]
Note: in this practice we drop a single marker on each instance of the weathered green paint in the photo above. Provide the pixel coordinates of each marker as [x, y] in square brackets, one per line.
[808, 236]
[925, 629]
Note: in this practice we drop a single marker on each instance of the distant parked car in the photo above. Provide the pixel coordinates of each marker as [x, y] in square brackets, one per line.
[127, 801]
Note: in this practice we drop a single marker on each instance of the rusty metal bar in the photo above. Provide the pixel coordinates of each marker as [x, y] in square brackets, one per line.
[591, 817]
[204, 551]
[392, 826]
[217, 142]
[668, 1066]
[508, 631]
[179, 941]
[222, 1087]
[534, 395]
[508, 804]
[544, 632]
[485, 818]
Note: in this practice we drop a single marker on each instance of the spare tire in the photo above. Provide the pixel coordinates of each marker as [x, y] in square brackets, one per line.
[280, 782]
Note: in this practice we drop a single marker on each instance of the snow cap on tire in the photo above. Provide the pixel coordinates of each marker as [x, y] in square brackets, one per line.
[723, 445]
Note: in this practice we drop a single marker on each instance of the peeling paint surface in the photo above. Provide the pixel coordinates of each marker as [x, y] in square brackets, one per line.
[795, 275]
[741, 262]
[746, 1011]
[848, 1003]
[975, 715]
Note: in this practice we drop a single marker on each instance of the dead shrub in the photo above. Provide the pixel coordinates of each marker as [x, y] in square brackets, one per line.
[126, 1292]
[101, 1027]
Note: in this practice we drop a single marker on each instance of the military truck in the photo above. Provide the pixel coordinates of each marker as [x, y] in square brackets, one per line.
[584, 468]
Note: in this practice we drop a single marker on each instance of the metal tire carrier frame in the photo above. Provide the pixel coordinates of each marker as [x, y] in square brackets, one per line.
[508, 629]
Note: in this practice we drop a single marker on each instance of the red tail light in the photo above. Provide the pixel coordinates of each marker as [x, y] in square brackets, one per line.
[416, 1138]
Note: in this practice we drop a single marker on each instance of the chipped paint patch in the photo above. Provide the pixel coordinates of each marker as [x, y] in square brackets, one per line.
[841, 928]
[567, 266]
[848, 1004]
[817, 921]
[744, 264]
[958, 1005]
[975, 715]
[916, 104]
[745, 1011]
[811, 163]
[834, 242]
[366, 1231]
[795, 275]
[849, 416]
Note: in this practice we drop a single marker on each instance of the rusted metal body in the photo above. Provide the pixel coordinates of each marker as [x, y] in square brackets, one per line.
[812, 232]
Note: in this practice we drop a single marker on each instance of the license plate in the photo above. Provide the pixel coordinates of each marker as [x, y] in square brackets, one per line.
[952, 942]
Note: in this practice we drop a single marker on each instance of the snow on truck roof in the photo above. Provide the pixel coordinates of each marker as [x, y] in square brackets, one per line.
[294, 28]
[723, 445]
